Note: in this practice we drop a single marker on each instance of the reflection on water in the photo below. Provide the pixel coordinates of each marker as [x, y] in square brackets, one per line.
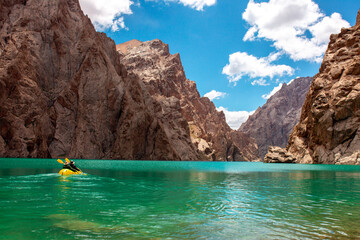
[190, 201]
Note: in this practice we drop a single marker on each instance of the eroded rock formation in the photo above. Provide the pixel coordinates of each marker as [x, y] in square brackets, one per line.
[165, 78]
[328, 131]
[271, 124]
[278, 155]
[65, 92]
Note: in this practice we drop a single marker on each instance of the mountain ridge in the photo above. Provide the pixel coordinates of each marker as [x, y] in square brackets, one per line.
[164, 76]
[66, 93]
[272, 123]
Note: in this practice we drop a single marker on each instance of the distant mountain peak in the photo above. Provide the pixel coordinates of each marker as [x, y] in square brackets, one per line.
[126, 46]
[164, 77]
[272, 123]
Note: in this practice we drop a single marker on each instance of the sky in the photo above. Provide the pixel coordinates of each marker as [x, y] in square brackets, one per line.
[239, 52]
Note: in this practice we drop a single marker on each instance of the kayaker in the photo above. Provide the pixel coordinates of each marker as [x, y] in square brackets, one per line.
[72, 165]
[68, 166]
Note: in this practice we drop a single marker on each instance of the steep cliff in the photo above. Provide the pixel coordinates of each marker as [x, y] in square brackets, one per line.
[165, 78]
[65, 92]
[328, 131]
[272, 123]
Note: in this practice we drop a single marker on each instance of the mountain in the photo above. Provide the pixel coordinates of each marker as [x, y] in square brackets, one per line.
[164, 77]
[329, 127]
[272, 123]
[65, 92]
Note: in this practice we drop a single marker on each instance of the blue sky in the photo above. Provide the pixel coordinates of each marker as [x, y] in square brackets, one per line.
[237, 51]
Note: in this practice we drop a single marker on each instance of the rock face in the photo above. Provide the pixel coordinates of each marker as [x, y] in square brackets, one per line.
[65, 92]
[272, 123]
[278, 155]
[164, 77]
[328, 131]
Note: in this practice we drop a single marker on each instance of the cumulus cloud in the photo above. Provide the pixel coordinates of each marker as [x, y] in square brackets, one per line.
[107, 15]
[275, 90]
[288, 25]
[260, 82]
[214, 95]
[198, 4]
[195, 4]
[322, 30]
[241, 64]
[235, 118]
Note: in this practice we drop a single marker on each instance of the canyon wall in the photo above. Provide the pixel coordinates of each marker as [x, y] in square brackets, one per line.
[164, 77]
[65, 92]
[329, 127]
[272, 123]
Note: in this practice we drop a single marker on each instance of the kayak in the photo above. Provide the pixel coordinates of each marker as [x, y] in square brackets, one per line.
[66, 172]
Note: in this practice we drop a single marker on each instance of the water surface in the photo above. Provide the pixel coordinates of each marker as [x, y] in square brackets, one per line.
[178, 200]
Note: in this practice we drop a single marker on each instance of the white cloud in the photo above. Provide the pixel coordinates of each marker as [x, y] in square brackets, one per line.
[286, 23]
[118, 24]
[235, 118]
[198, 4]
[250, 34]
[214, 95]
[273, 56]
[327, 25]
[275, 90]
[260, 82]
[241, 64]
[107, 15]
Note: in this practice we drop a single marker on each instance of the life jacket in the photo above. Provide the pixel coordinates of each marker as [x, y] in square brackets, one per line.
[67, 166]
[74, 167]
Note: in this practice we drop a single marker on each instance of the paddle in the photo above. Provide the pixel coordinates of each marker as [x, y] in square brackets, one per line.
[67, 160]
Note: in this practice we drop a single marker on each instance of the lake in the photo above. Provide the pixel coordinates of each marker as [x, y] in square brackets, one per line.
[178, 200]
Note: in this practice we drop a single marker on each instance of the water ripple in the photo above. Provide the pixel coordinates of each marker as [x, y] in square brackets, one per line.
[183, 203]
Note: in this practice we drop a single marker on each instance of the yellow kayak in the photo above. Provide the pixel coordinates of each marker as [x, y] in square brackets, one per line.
[65, 172]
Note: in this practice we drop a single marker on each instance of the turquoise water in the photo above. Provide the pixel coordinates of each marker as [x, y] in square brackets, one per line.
[178, 200]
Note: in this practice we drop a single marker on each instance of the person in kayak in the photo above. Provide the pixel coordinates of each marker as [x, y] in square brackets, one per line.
[68, 166]
[72, 165]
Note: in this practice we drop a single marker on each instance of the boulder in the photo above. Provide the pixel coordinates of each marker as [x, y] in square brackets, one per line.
[278, 155]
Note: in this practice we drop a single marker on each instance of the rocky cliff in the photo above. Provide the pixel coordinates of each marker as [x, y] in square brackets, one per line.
[328, 131]
[272, 123]
[65, 92]
[164, 77]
